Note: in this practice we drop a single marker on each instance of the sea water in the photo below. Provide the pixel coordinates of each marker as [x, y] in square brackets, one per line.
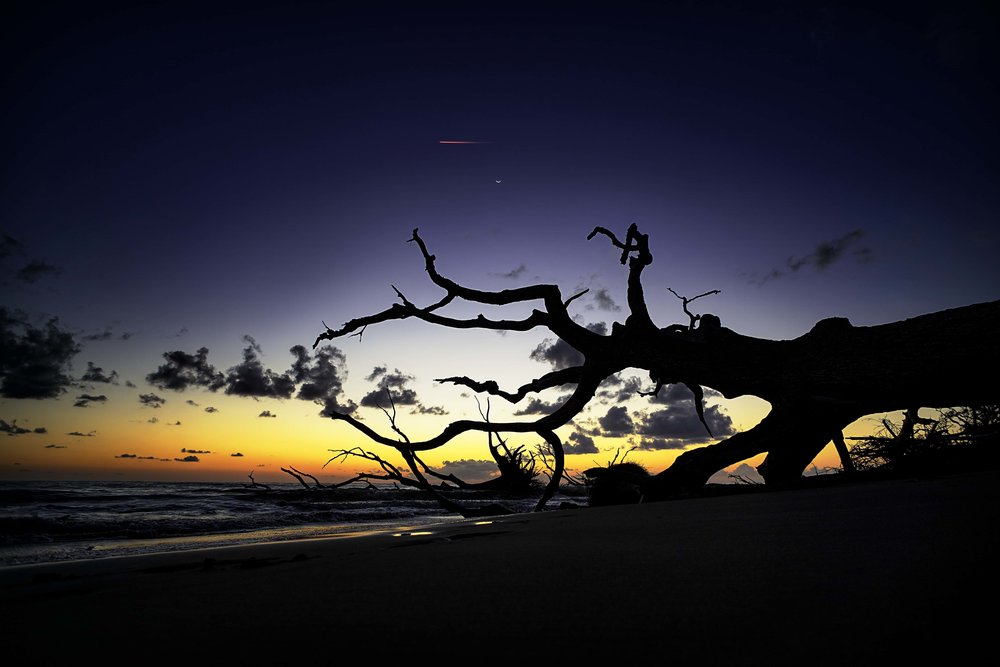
[42, 522]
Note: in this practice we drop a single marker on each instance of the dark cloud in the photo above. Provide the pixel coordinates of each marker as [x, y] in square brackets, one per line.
[129, 383]
[825, 254]
[618, 390]
[210, 409]
[82, 435]
[250, 378]
[190, 402]
[655, 444]
[321, 378]
[394, 383]
[40, 429]
[35, 270]
[184, 370]
[104, 335]
[678, 427]
[176, 423]
[84, 400]
[107, 334]
[236, 454]
[55, 446]
[152, 420]
[97, 374]
[34, 361]
[10, 246]
[680, 395]
[188, 459]
[559, 354]
[513, 274]
[616, 422]
[470, 470]
[579, 443]
[126, 456]
[185, 450]
[536, 406]
[603, 301]
[268, 414]
[421, 409]
[12, 428]
[151, 400]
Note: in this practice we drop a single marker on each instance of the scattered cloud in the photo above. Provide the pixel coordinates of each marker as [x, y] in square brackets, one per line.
[513, 274]
[268, 414]
[183, 370]
[151, 400]
[318, 377]
[429, 410]
[603, 301]
[185, 450]
[35, 270]
[80, 434]
[190, 402]
[616, 389]
[10, 246]
[209, 409]
[675, 428]
[97, 374]
[55, 446]
[321, 378]
[34, 360]
[236, 454]
[152, 420]
[394, 383]
[579, 443]
[825, 254]
[250, 378]
[188, 459]
[84, 400]
[129, 383]
[470, 470]
[559, 354]
[107, 334]
[616, 423]
[536, 406]
[12, 428]
[139, 458]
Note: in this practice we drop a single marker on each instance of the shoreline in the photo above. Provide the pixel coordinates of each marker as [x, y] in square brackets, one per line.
[829, 575]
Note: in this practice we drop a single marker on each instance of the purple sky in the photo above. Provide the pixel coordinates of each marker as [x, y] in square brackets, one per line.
[179, 177]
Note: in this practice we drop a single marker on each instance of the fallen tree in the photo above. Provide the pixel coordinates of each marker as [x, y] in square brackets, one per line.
[817, 384]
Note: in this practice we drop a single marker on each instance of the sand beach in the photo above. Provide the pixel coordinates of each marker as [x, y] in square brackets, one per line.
[860, 573]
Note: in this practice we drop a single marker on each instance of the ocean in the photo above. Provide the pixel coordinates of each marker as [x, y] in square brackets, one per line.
[45, 522]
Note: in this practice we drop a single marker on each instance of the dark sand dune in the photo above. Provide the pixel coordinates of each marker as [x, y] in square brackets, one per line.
[851, 574]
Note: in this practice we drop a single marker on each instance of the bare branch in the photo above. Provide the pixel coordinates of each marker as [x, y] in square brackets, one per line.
[685, 301]
[255, 483]
[547, 381]
[575, 296]
[585, 390]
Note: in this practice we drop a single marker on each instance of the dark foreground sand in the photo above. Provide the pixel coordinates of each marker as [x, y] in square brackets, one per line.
[844, 575]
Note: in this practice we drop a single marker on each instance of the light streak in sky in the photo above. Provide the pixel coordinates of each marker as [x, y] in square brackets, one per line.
[458, 141]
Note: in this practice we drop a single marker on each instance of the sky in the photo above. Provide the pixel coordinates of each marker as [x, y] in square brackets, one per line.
[190, 190]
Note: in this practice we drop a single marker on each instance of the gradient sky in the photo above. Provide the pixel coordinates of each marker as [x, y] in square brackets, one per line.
[182, 176]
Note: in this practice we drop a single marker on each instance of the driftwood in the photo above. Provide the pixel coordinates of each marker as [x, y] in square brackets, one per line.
[817, 384]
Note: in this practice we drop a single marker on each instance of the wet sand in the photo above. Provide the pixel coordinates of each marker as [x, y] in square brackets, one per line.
[848, 574]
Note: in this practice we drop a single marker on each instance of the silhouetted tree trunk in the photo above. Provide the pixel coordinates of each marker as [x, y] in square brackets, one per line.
[816, 384]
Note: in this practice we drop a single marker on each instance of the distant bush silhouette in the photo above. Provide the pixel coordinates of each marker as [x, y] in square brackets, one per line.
[962, 438]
